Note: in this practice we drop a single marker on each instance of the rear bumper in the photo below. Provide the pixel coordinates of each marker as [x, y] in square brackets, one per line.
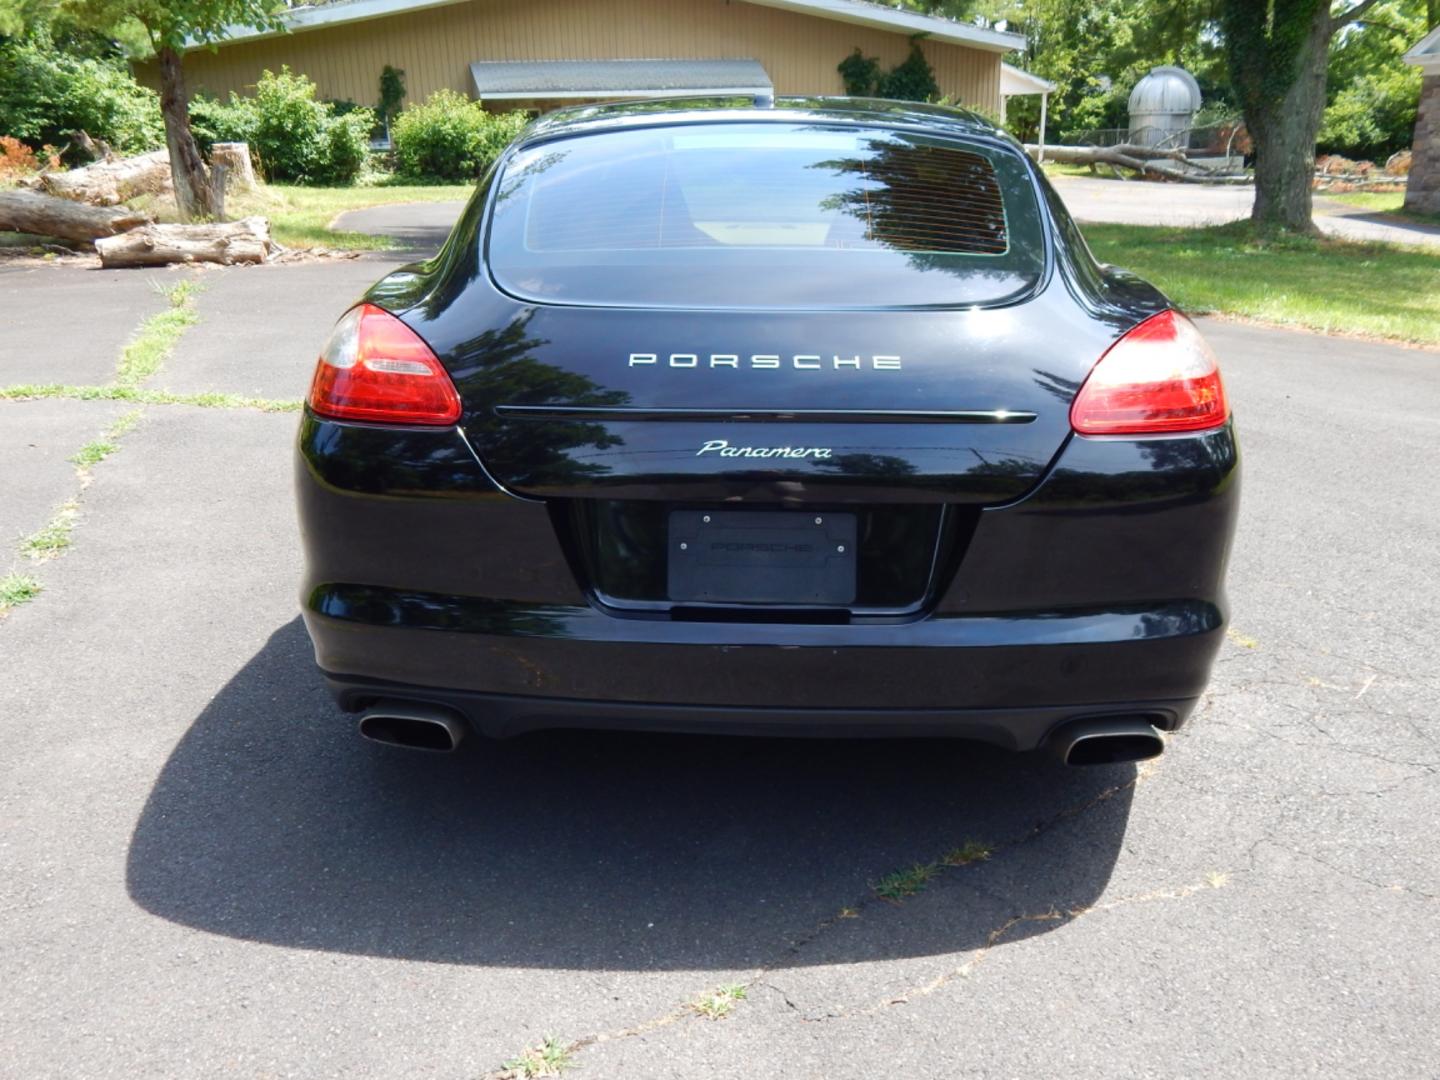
[501, 716]
[1006, 680]
[1098, 594]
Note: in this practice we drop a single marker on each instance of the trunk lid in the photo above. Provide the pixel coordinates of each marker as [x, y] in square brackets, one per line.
[904, 406]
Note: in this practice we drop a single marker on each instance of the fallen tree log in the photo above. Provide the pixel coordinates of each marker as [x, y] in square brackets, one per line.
[231, 242]
[107, 183]
[45, 215]
[1143, 159]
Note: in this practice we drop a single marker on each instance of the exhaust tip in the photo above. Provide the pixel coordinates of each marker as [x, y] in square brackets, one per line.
[1106, 741]
[414, 727]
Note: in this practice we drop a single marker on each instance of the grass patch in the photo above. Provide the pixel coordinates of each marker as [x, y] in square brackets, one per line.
[300, 216]
[54, 536]
[1319, 283]
[140, 396]
[92, 453]
[550, 1058]
[1056, 168]
[905, 883]
[719, 1003]
[969, 852]
[17, 589]
[155, 340]
[1385, 202]
[1389, 203]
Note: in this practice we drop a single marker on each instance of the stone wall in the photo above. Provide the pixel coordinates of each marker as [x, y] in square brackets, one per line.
[1422, 192]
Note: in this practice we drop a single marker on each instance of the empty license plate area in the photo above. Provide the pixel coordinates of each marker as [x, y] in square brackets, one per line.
[761, 557]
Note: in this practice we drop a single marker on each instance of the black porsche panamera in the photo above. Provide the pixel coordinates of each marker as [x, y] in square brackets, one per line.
[813, 416]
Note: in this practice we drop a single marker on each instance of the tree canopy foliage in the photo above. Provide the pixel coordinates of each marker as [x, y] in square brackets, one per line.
[1096, 50]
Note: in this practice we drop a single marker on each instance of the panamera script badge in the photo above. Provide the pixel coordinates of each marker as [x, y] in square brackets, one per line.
[724, 449]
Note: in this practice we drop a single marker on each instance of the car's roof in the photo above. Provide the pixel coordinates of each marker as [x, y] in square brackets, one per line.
[581, 119]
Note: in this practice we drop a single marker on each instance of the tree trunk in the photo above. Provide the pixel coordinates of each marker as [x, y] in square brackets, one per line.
[45, 215]
[1285, 131]
[245, 241]
[107, 183]
[192, 185]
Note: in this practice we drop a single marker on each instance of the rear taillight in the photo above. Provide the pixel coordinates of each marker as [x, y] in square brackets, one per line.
[376, 368]
[1159, 378]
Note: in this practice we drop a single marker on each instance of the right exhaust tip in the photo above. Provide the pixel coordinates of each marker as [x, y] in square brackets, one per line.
[412, 726]
[1106, 741]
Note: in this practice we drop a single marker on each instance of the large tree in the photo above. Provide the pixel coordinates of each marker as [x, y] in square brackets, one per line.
[1278, 52]
[169, 27]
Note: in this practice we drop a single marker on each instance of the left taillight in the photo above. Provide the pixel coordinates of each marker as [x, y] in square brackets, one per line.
[375, 368]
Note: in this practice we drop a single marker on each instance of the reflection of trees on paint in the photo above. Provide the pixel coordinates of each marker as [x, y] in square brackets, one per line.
[878, 466]
[497, 368]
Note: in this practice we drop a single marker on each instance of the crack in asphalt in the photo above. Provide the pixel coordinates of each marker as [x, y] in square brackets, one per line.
[996, 936]
[759, 978]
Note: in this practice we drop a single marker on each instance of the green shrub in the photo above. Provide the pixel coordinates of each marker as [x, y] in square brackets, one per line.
[293, 136]
[860, 74]
[46, 94]
[1374, 116]
[212, 121]
[450, 137]
[913, 79]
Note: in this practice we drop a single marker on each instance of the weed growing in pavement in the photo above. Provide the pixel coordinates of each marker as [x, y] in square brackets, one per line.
[550, 1058]
[33, 392]
[719, 1003]
[17, 589]
[155, 340]
[92, 453]
[902, 883]
[967, 853]
[54, 536]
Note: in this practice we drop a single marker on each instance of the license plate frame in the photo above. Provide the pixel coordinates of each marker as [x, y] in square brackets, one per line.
[771, 558]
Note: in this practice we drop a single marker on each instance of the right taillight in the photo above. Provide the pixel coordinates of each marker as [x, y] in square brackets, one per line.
[1159, 378]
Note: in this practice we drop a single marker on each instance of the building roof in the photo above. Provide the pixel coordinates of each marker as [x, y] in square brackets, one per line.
[1016, 83]
[556, 79]
[858, 12]
[1426, 53]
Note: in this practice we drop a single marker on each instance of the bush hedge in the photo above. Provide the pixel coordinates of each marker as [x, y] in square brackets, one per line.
[294, 136]
[450, 137]
[46, 94]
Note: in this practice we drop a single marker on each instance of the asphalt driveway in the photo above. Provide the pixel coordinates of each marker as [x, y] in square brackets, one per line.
[1133, 202]
[204, 872]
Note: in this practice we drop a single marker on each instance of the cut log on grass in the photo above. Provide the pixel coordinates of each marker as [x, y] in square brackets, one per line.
[231, 242]
[45, 215]
[108, 183]
[1143, 159]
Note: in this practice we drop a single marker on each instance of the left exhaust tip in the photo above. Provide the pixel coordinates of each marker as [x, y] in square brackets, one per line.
[412, 726]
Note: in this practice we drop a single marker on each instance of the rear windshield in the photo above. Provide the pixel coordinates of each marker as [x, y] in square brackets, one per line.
[764, 215]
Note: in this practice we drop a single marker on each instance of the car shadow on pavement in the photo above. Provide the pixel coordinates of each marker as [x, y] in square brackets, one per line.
[273, 821]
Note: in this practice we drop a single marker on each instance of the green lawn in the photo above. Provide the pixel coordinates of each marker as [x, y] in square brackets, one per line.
[1380, 290]
[300, 216]
[1055, 168]
[1385, 202]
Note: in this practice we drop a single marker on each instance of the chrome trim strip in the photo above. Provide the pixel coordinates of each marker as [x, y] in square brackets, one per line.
[802, 416]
